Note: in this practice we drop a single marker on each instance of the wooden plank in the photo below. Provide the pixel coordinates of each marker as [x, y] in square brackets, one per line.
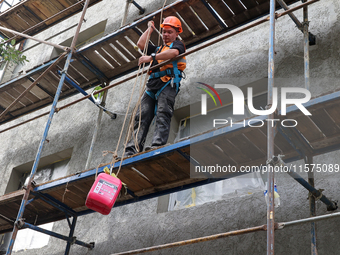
[120, 70]
[7, 99]
[258, 139]
[233, 152]
[34, 7]
[223, 11]
[247, 148]
[333, 112]
[56, 5]
[30, 96]
[115, 54]
[68, 199]
[97, 61]
[18, 24]
[308, 128]
[167, 186]
[191, 19]
[76, 76]
[108, 57]
[152, 173]
[204, 14]
[123, 41]
[47, 9]
[249, 4]
[82, 69]
[324, 122]
[23, 14]
[235, 6]
[132, 34]
[134, 54]
[48, 85]
[133, 180]
[210, 154]
[181, 162]
[27, 12]
[67, 3]
[29, 108]
[15, 94]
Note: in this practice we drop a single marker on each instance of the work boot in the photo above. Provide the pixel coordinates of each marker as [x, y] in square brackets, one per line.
[148, 148]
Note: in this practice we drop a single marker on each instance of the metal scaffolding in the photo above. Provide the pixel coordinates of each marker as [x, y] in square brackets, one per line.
[302, 151]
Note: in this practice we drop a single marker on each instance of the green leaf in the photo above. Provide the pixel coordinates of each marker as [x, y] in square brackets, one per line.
[13, 42]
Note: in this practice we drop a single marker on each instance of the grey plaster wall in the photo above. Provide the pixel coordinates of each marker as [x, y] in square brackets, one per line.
[139, 225]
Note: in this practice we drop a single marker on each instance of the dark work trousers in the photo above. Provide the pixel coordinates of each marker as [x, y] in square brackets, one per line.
[165, 109]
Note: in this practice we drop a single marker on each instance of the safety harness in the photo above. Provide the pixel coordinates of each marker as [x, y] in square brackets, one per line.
[174, 73]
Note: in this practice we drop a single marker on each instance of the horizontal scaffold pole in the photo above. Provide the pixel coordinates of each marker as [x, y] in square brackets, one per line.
[59, 236]
[32, 85]
[195, 240]
[278, 226]
[188, 52]
[48, 19]
[35, 39]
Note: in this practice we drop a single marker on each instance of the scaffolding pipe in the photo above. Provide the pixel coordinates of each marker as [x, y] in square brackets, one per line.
[306, 46]
[188, 52]
[35, 39]
[278, 226]
[95, 133]
[37, 158]
[331, 206]
[308, 220]
[195, 240]
[270, 135]
[28, 89]
[56, 235]
[141, 10]
[291, 15]
[48, 19]
[312, 211]
[75, 38]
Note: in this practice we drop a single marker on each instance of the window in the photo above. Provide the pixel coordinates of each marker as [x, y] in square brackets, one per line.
[87, 36]
[233, 187]
[228, 188]
[27, 238]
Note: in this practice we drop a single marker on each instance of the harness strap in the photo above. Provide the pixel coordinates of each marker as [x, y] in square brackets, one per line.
[176, 77]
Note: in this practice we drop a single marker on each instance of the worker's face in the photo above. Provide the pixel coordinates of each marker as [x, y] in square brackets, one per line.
[169, 34]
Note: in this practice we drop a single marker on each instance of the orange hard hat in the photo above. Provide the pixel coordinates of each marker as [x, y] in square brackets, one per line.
[173, 22]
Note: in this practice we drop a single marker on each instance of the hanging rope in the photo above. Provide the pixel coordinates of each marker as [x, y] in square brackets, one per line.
[160, 22]
[115, 153]
[137, 106]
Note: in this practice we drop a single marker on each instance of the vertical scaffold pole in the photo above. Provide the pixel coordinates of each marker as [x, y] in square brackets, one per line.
[309, 162]
[38, 155]
[306, 45]
[270, 135]
[309, 159]
[73, 226]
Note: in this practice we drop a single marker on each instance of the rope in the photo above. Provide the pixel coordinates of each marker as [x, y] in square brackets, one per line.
[138, 104]
[160, 23]
[127, 6]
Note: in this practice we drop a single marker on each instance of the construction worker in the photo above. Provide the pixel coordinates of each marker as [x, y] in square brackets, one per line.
[162, 87]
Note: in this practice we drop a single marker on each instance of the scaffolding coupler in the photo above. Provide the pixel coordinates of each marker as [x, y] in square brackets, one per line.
[141, 9]
[69, 81]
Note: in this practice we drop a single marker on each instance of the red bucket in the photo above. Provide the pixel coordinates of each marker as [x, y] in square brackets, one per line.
[103, 193]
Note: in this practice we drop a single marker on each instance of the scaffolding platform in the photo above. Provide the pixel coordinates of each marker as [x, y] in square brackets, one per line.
[115, 55]
[33, 16]
[167, 169]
